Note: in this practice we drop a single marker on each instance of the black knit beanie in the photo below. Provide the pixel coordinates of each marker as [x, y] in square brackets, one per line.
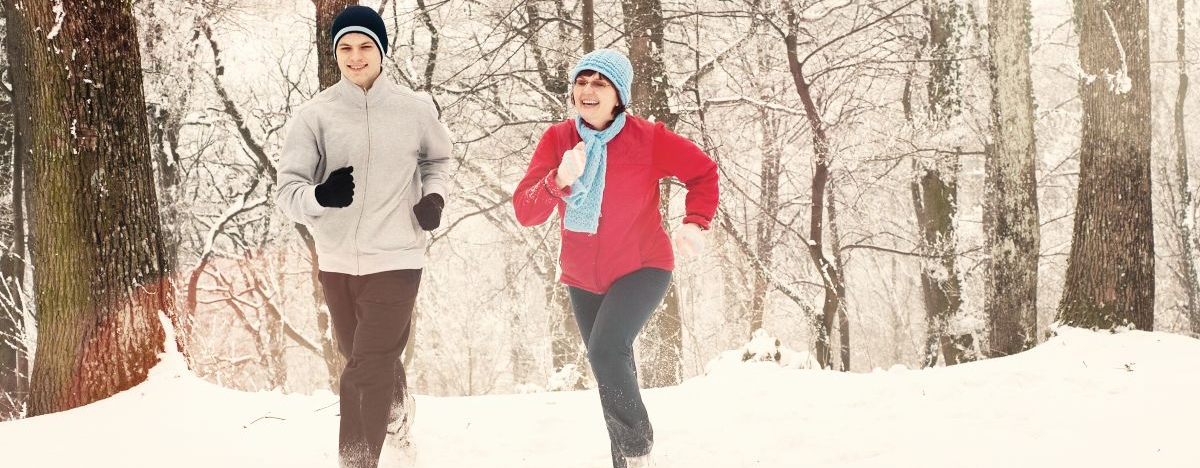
[360, 19]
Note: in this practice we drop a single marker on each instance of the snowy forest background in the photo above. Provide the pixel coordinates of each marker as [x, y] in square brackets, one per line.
[881, 113]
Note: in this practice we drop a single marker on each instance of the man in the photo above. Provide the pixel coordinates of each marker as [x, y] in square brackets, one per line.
[366, 165]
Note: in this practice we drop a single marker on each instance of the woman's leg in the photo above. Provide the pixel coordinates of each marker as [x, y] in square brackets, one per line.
[623, 311]
[586, 305]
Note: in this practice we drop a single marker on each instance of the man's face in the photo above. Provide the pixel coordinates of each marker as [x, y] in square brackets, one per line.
[359, 59]
[595, 97]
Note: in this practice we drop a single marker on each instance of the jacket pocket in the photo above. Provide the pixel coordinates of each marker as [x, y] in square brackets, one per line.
[389, 225]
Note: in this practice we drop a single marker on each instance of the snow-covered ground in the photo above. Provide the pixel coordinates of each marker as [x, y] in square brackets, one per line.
[1082, 399]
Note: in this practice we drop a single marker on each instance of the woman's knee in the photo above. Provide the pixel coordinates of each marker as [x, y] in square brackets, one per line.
[603, 355]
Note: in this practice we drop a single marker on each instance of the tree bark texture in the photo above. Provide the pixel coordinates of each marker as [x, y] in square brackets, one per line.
[1010, 208]
[101, 277]
[1110, 271]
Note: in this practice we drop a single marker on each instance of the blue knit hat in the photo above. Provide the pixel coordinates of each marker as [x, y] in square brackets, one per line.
[613, 65]
[360, 19]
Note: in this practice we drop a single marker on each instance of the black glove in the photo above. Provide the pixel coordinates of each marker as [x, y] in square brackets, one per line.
[338, 190]
[429, 211]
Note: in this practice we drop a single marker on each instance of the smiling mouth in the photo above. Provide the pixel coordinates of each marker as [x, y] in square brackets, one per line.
[358, 68]
[590, 103]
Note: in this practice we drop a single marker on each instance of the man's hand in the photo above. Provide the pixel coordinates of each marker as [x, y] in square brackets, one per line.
[429, 211]
[338, 190]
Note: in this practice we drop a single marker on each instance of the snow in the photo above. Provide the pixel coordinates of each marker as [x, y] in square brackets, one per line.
[1082, 398]
[59, 16]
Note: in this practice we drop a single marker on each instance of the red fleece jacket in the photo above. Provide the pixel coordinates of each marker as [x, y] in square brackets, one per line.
[630, 236]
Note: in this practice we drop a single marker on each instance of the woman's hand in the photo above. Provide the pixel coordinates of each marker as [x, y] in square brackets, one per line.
[571, 166]
[688, 240]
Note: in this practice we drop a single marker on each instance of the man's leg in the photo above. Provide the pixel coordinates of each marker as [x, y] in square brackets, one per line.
[402, 414]
[339, 296]
[385, 303]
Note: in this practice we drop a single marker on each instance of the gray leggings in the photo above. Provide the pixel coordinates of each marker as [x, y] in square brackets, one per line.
[609, 323]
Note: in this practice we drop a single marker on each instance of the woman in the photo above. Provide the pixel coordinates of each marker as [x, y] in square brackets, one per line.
[601, 170]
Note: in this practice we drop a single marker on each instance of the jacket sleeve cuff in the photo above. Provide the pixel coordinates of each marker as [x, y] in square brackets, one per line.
[551, 187]
[311, 208]
[698, 220]
[437, 188]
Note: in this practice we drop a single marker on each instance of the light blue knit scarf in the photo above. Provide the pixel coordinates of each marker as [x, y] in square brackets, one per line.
[587, 193]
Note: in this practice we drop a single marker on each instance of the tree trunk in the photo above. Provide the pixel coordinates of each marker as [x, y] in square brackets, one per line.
[1110, 271]
[1186, 222]
[831, 276]
[102, 278]
[839, 262]
[644, 32]
[768, 216]
[14, 353]
[431, 57]
[165, 125]
[524, 367]
[1010, 208]
[589, 26]
[327, 69]
[662, 342]
[935, 196]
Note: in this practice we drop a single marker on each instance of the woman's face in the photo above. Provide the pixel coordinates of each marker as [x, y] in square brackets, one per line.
[595, 98]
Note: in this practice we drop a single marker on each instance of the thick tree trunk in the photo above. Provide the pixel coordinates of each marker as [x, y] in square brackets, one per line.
[327, 69]
[662, 342]
[1010, 207]
[644, 32]
[1110, 271]
[101, 276]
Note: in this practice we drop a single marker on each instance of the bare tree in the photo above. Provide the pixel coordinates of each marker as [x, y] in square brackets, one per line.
[832, 278]
[1110, 272]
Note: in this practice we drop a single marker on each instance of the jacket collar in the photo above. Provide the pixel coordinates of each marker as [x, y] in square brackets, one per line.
[358, 97]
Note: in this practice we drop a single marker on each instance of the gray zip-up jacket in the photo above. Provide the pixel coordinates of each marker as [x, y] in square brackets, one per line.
[400, 152]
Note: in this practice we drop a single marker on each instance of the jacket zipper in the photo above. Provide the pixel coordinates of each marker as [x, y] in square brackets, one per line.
[362, 206]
